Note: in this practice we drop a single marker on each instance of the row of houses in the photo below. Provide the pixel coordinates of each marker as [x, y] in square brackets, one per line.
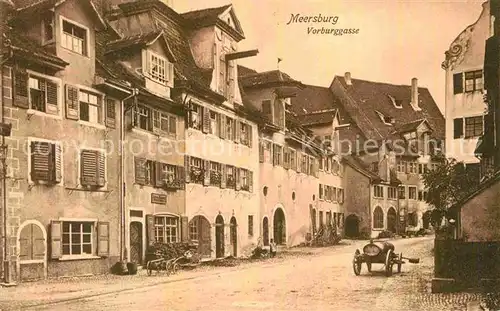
[134, 124]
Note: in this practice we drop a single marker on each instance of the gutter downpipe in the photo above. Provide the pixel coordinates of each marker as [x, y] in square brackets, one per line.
[5, 256]
[123, 248]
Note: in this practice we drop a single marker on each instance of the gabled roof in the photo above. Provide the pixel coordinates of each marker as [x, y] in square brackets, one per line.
[30, 8]
[266, 79]
[205, 15]
[358, 165]
[480, 188]
[211, 16]
[187, 73]
[364, 98]
[412, 126]
[316, 105]
[140, 40]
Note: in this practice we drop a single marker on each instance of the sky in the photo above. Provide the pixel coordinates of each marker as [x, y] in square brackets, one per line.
[397, 40]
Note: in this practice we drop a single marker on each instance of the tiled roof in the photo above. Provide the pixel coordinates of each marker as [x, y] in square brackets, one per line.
[204, 16]
[244, 71]
[132, 41]
[29, 49]
[363, 98]
[266, 79]
[317, 105]
[410, 126]
[317, 118]
[361, 167]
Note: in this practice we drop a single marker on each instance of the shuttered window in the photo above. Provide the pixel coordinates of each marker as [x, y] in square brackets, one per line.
[46, 162]
[110, 113]
[458, 128]
[43, 95]
[92, 168]
[458, 83]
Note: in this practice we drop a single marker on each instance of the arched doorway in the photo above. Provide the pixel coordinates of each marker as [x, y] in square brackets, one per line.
[391, 220]
[136, 242]
[219, 236]
[265, 231]
[279, 224]
[234, 236]
[32, 250]
[199, 232]
[352, 226]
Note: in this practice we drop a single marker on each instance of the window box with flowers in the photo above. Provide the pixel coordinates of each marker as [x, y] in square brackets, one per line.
[197, 175]
[175, 184]
[245, 187]
[230, 182]
[215, 178]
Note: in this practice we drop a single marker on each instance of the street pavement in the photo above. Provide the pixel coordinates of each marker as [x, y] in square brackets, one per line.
[323, 280]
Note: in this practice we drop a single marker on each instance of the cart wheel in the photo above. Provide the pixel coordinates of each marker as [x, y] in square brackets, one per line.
[356, 263]
[400, 263]
[369, 266]
[175, 268]
[149, 268]
[388, 263]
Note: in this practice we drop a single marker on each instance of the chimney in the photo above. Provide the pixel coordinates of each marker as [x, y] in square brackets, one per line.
[414, 92]
[347, 77]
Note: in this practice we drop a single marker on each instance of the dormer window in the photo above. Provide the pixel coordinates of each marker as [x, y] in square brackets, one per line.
[74, 38]
[396, 102]
[387, 120]
[159, 69]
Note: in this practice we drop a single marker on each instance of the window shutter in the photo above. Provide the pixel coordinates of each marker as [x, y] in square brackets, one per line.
[159, 175]
[320, 163]
[458, 86]
[250, 181]
[170, 75]
[40, 161]
[237, 131]
[181, 176]
[206, 172]
[52, 97]
[101, 169]
[266, 107]
[72, 103]
[299, 161]
[103, 239]
[88, 168]
[140, 171]
[458, 128]
[110, 113]
[407, 167]
[55, 239]
[56, 149]
[187, 176]
[321, 191]
[230, 72]
[261, 151]
[222, 126]
[223, 176]
[237, 178]
[184, 229]
[150, 229]
[275, 157]
[206, 120]
[249, 135]
[21, 89]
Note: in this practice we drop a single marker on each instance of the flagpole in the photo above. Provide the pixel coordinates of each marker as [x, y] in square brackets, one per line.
[278, 64]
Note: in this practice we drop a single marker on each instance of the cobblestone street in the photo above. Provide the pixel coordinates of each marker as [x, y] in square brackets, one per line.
[320, 280]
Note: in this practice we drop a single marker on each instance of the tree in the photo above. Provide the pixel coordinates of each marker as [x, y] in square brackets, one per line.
[446, 185]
